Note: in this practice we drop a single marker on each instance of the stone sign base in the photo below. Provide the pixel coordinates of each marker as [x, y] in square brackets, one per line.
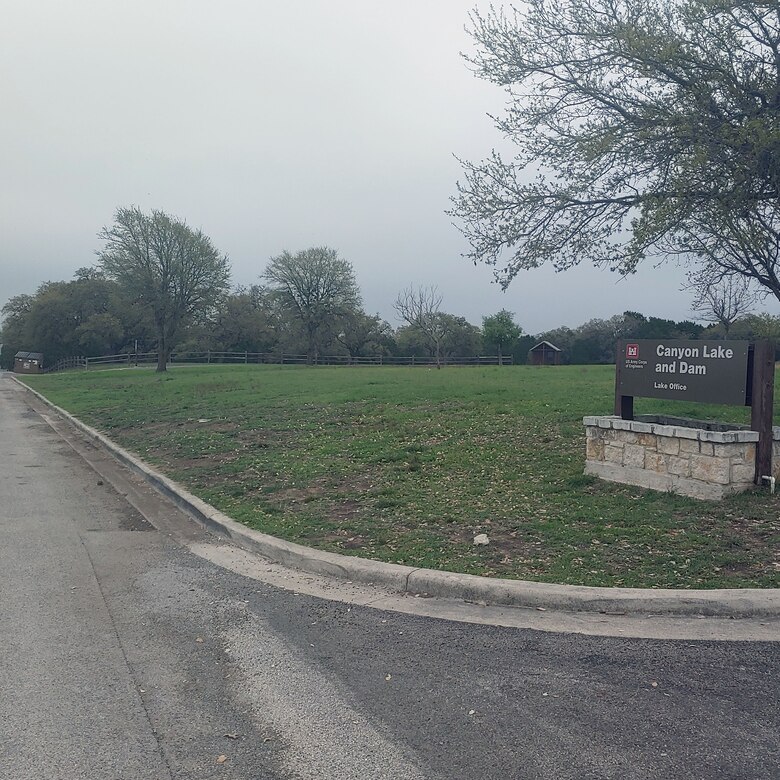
[691, 461]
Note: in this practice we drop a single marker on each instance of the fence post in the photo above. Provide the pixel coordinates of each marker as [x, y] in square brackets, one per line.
[763, 381]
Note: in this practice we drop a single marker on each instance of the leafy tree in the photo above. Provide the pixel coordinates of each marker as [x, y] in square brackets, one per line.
[765, 326]
[52, 321]
[165, 266]
[86, 316]
[594, 341]
[520, 349]
[643, 127]
[500, 331]
[638, 326]
[100, 334]
[585, 350]
[687, 329]
[317, 288]
[462, 339]
[14, 334]
[81, 317]
[360, 334]
[411, 342]
[244, 322]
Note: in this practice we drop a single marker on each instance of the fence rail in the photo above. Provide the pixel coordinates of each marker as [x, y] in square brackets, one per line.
[278, 358]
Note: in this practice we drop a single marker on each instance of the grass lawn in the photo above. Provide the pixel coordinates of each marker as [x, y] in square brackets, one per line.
[407, 464]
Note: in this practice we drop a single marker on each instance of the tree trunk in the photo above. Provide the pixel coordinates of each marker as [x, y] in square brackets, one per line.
[500, 356]
[163, 353]
[312, 348]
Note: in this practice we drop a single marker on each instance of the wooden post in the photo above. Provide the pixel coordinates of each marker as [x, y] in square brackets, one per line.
[624, 407]
[624, 404]
[762, 405]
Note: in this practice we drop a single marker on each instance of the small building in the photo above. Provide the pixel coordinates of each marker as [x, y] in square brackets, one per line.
[28, 363]
[545, 354]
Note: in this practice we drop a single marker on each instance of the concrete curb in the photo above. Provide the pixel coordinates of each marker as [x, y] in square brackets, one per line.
[733, 603]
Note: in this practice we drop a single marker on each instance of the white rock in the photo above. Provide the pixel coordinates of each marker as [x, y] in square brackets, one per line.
[481, 539]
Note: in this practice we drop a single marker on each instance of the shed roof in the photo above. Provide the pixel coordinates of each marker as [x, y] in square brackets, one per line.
[29, 355]
[545, 344]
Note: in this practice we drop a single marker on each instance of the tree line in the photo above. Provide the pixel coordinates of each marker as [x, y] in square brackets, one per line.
[160, 285]
[92, 315]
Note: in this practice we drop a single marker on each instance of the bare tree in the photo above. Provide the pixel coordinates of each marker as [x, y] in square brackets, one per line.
[420, 308]
[721, 299]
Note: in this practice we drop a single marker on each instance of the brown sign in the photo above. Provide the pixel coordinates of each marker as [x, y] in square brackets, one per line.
[714, 372]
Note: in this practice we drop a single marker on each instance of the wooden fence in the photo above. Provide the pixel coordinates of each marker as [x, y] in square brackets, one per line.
[278, 358]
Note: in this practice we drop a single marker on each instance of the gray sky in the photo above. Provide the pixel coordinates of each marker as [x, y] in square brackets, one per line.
[271, 126]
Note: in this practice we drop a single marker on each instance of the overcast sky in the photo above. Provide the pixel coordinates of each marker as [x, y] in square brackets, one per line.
[270, 126]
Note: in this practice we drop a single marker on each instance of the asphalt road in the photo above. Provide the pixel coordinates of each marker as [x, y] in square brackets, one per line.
[123, 655]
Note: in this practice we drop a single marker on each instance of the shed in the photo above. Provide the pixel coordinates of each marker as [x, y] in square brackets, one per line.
[28, 363]
[545, 354]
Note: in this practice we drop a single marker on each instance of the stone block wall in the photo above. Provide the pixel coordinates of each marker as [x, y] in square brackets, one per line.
[689, 461]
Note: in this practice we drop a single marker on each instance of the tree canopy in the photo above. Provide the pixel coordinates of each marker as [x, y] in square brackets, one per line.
[364, 334]
[317, 288]
[166, 266]
[85, 316]
[500, 330]
[642, 128]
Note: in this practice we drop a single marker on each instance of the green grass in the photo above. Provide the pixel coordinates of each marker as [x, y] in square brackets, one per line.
[408, 464]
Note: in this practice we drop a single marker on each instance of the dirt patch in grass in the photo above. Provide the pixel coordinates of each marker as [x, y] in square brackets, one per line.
[344, 510]
[342, 539]
[304, 495]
